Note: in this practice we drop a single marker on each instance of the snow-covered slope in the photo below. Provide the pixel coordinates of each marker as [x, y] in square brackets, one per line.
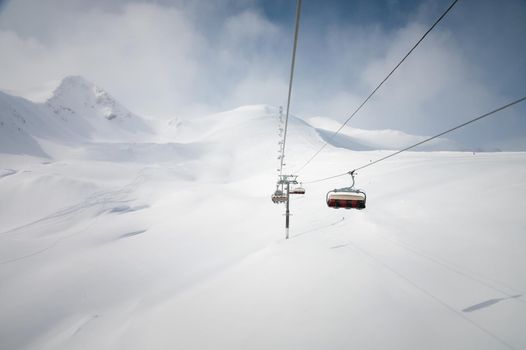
[366, 140]
[21, 123]
[116, 245]
[77, 113]
[113, 255]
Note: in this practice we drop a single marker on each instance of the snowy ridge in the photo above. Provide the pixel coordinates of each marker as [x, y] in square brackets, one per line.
[21, 122]
[366, 140]
[81, 114]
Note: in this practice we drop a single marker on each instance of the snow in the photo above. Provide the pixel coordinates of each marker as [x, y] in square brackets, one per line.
[366, 140]
[78, 113]
[168, 239]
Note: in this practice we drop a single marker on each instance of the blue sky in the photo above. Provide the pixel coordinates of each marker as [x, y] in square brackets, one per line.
[181, 58]
[390, 13]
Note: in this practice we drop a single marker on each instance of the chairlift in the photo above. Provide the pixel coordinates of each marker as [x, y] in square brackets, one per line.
[279, 196]
[347, 197]
[298, 190]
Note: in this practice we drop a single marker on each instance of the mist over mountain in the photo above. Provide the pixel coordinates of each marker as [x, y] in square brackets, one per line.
[81, 113]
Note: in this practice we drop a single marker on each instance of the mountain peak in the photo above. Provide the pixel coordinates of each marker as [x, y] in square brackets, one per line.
[74, 86]
[76, 91]
[77, 100]
[76, 80]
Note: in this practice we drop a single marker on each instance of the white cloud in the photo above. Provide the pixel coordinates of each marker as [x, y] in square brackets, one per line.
[152, 57]
[184, 57]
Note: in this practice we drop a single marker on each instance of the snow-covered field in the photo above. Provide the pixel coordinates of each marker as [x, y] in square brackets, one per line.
[169, 240]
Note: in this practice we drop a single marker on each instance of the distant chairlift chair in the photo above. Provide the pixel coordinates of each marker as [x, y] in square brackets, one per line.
[279, 196]
[298, 190]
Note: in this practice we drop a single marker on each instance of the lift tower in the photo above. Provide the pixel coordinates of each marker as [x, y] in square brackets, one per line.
[286, 181]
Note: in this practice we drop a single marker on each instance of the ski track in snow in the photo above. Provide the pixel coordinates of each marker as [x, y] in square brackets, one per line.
[7, 172]
[497, 286]
[319, 228]
[43, 250]
[100, 199]
[430, 295]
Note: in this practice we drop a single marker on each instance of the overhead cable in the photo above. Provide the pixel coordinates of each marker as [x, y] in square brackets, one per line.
[377, 87]
[296, 30]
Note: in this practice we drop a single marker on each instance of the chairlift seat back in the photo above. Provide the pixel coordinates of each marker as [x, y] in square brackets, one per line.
[347, 200]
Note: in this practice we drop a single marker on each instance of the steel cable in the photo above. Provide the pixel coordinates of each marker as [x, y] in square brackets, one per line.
[378, 86]
[422, 142]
